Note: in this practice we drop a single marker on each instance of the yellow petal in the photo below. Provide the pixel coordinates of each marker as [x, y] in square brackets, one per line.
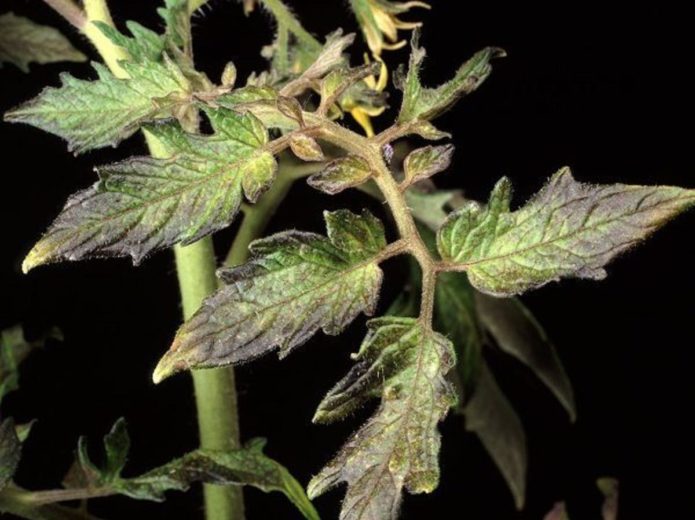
[363, 120]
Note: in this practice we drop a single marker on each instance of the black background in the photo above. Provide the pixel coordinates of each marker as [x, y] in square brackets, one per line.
[605, 90]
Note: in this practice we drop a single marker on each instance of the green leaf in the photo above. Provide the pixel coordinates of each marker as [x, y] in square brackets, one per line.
[295, 284]
[427, 103]
[144, 46]
[455, 313]
[10, 451]
[491, 417]
[247, 466]
[341, 174]
[14, 349]
[429, 206]
[306, 148]
[23, 42]
[145, 204]
[405, 363]
[517, 333]
[425, 162]
[568, 229]
[94, 114]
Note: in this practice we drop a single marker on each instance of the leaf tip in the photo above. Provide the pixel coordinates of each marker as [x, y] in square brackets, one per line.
[34, 259]
[167, 367]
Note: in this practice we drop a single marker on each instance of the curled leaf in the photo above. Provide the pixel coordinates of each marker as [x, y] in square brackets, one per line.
[341, 174]
[422, 103]
[405, 363]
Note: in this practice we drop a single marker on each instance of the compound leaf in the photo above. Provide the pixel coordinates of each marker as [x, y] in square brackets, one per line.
[421, 103]
[23, 42]
[405, 363]
[144, 204]
[569, 229]
[294, 284]
[94, 114]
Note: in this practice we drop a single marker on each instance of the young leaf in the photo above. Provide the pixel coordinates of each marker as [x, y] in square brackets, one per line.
[94, 114]
[247, 466]
[405, 363]
[518, 333]
[306, 148]
[490, 416]
[10, 451]
[295, 284]
[145, 204]
[425, 162]
[341, 174]
[23, 42]
[568, 229]
[427, 103]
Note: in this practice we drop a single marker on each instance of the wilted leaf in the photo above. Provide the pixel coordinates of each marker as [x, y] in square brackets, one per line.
[425, 162]
[609, 487]
[247, 466]
[427, 103]
[295, 284]
[94, 114]
[14, 349]
[404, 363]
[23, 42]
[341, 174]
[144, 204]
[518, 334]
[568, 229]
[10, 451]
[490, 416]
[558, 512]
[330, 57]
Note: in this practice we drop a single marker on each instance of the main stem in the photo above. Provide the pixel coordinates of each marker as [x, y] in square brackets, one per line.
[215, 390]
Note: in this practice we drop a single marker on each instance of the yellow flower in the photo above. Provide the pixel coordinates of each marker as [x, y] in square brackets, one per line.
[361, 107]
[380, 23]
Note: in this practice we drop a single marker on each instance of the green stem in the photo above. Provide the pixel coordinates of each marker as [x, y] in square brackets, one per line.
[258, 215]
[215, 390]
[285, 18]
[19, 502]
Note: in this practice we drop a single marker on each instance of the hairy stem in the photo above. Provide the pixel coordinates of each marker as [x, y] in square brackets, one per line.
[70, 11]
[215, 390]
[285, 18]
[370, 150]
